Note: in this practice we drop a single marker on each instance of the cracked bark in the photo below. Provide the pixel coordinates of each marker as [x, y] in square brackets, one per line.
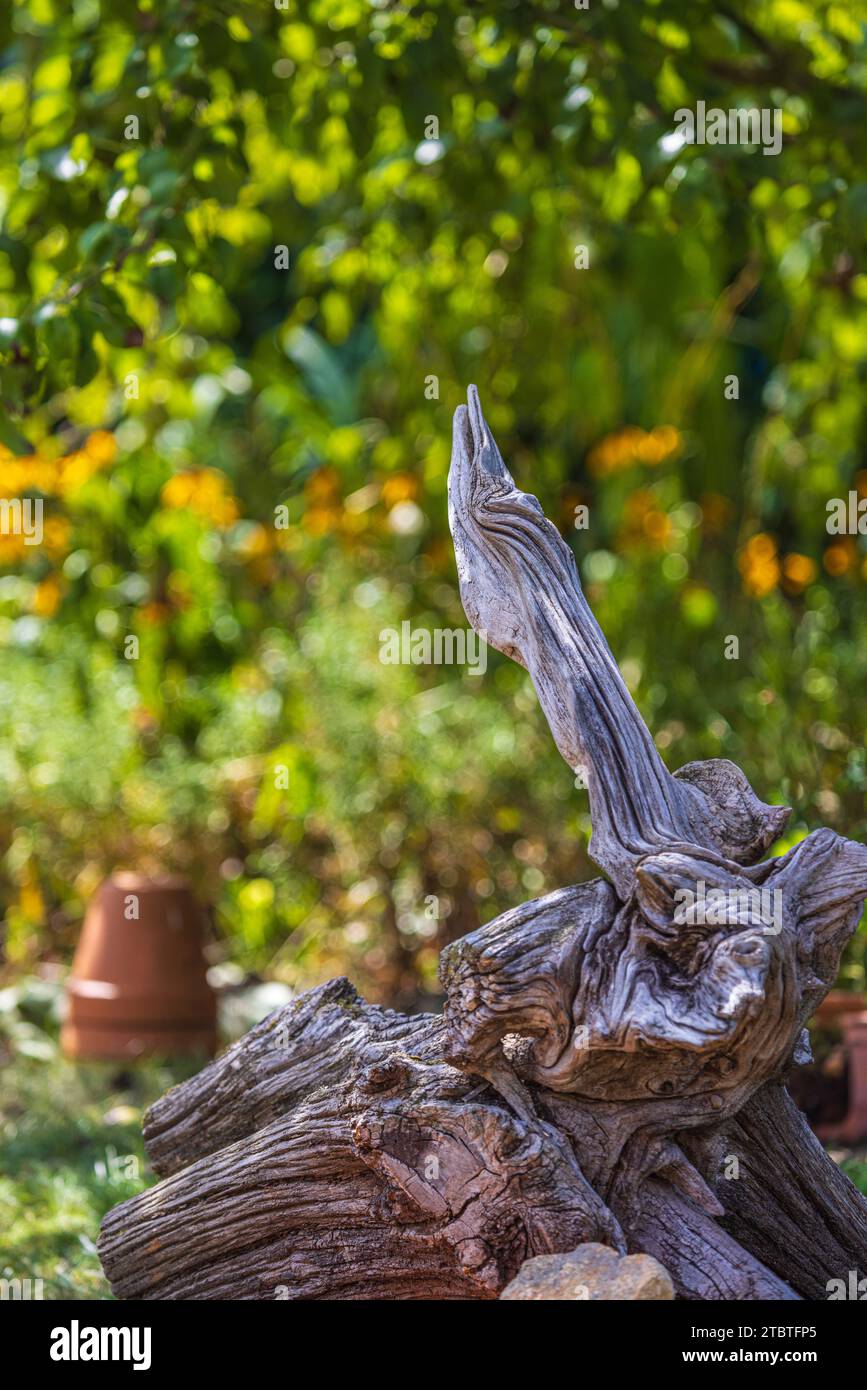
[601, 1058]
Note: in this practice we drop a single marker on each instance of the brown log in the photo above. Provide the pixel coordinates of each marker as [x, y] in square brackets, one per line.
[790, 1204]
[604, 1052]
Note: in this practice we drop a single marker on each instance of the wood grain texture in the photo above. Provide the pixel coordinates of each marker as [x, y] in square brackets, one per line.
[602, 1055]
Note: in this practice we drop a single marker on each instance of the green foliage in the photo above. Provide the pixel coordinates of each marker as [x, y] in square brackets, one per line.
[166, 386]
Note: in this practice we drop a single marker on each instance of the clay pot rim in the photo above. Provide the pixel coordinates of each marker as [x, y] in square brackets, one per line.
[841, 1001]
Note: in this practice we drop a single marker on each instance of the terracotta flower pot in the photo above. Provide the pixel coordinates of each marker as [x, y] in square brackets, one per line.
[138, 985]
[836, 1004]
[844, 1010]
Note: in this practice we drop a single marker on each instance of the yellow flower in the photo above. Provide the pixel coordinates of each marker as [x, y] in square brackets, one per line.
[318, 521]
[257, 541]
[644, 521]
[47, 596]
[256, 549]
[204, 491]
[715, 511]
[30, 901]
[56, 476]
[55, 538]
[155, 614]
[52, 477]
[28, 474]
[759, 565]
[798, 572]
[101, 446]
[840, 557]
[633, 445]
[13, 548]
[401, 487]
[322, 486]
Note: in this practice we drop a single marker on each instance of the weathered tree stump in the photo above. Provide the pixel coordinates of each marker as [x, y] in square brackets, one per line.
[609, 1065]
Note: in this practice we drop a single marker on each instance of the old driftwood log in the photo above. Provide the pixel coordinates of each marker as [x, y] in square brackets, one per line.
[602, 1058]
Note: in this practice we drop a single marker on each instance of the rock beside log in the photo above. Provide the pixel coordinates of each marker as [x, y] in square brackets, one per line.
[591, 1272]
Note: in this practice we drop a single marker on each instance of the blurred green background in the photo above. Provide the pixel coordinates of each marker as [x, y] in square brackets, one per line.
[249, 260]
[167, 385]
[250, 257]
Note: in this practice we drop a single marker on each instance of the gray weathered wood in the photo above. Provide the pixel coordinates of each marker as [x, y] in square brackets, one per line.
[601, 1056]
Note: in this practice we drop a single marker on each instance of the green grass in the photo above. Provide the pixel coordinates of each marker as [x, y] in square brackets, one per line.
[70, 1146]
[70, 1149]
[856, 1170]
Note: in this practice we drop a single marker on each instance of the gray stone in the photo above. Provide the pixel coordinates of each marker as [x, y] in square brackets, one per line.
[591, 1272]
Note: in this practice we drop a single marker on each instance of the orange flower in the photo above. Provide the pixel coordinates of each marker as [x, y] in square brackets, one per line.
[633, 445]
[30, 901]
[178, 589]
[256, 548]
[320, 520]
[28, 474]
[644, 521]
[144, 719]
[401, 487]
[715, 510]
[657, 526]
[56, 476]
[47, 596]
[101, 446]
[798, 572]
[840, 557]
[14, 546]
[759, 565]
[56, 535]
[258, 540]
[322, 486]
[154, 614]
[203, 491]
